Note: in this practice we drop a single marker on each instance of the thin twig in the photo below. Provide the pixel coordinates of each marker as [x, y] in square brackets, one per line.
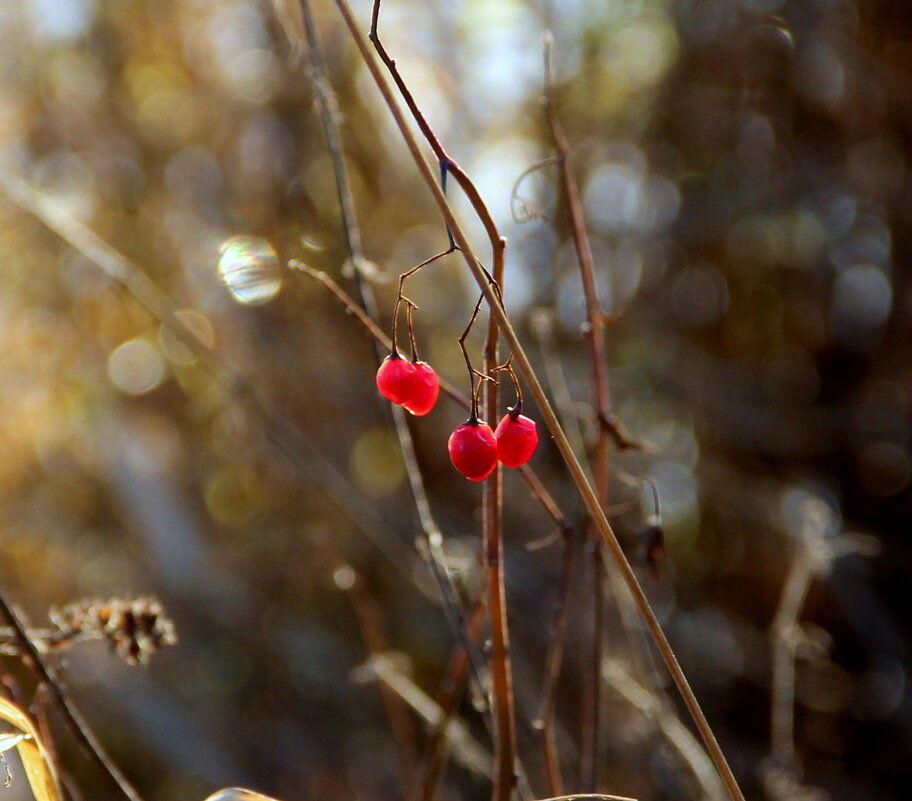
[492, 543]
[815, 551]
[74, 720]
[446, 163]
[502, 691]
[433, 537]
[448, 700]
[784, 633]
[402, 279]
[544, 723]
[609, 428]
[525, 368]
[591, 716]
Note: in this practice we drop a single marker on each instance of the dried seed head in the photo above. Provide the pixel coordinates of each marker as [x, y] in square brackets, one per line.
[135, 629]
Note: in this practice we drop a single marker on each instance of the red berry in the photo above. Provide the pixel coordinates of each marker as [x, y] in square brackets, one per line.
[396, 378]
[473, 450]
[517, 439]
[425, 389]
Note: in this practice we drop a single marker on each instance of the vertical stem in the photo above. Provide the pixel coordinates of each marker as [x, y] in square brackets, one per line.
[492, 539]
[433, 537]
[502, 691]
[592, 700]
[783, 633]
[596, 336]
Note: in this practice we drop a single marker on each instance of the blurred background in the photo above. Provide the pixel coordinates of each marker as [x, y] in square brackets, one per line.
[744, 167]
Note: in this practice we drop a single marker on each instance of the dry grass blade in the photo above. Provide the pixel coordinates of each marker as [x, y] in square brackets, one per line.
[8, 741]
[466, 750]
[39, 769]
[670, 725]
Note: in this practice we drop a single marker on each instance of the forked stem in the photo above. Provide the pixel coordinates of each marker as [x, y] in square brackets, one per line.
[473, 373]
[516, 409]
[401, 298]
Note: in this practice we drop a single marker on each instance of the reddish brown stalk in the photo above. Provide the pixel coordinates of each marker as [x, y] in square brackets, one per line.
[447, 164]
[502, 688]
[544, 723]
[596, 335]
[433, 538]
[434, 759]
[492, 536]
[541, 399]
[492, 543]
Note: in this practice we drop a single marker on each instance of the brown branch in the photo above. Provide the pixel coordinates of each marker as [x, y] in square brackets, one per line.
[447, 164]
[592, 706]
[433, 552]
[609, 427]
[525, 368]
[492, 543]
[596, 334]
[492, 535]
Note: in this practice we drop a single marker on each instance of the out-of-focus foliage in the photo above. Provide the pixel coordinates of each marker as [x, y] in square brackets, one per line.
[745, 177]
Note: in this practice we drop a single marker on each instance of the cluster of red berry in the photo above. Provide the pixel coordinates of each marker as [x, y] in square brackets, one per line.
[474, 448]
[412, 384]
